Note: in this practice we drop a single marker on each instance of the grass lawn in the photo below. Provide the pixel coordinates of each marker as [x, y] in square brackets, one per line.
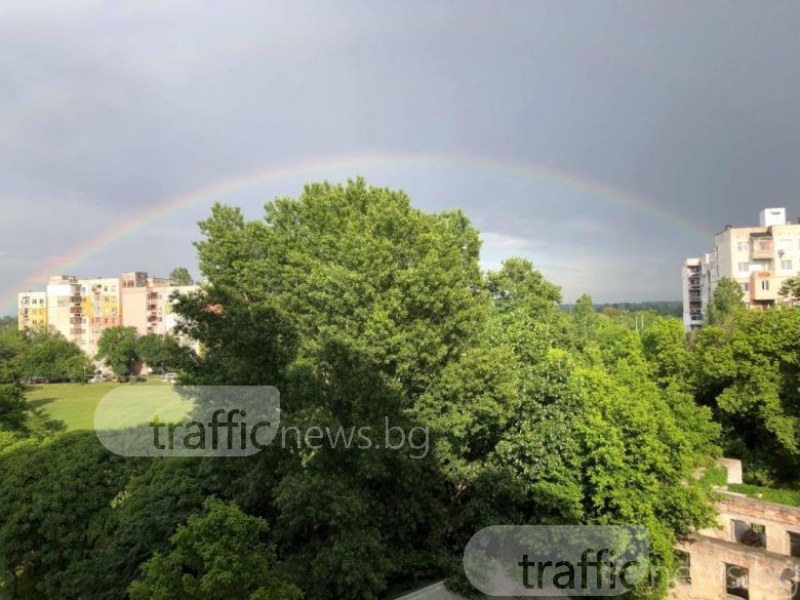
[73, 403]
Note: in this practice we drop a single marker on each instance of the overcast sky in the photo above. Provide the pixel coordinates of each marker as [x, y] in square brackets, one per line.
[605, 141]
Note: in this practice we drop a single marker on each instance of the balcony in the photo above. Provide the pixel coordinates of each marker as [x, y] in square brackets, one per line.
[763, 286]
[761, 247]
[694, 282]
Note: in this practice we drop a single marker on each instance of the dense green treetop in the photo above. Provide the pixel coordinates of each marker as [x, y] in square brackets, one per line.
[726, 301]
[181, 276]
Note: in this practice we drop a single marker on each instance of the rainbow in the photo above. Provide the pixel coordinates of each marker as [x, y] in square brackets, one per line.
[351, 163]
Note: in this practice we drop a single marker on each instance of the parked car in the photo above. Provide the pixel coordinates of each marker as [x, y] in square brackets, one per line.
[170, 377]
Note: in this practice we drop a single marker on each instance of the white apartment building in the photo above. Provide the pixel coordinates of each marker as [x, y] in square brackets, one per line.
[758, 258]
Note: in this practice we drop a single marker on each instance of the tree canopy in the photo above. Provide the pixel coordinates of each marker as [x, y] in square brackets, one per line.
[181, 276]
[370, 315]
[726, 300]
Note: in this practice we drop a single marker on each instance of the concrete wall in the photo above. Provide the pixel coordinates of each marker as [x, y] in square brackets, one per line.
[712, 549]
[709, 560]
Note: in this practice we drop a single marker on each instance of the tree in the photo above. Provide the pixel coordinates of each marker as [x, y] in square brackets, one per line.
[359, 308]
[56, 496]
[217, 555]
[12, 394]
[181, 276]
[7, 323]
[748, 372]
[117, 348]
[726, 301]
[53, 357]
[664, 344]
[790, 290]
[163, 353]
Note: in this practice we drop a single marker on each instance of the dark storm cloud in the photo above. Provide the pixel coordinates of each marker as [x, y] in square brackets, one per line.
[107, 110]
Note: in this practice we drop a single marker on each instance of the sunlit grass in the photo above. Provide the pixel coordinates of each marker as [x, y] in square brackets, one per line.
[73, 404]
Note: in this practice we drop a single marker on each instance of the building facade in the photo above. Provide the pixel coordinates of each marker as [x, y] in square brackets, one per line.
[753, 553]
[758, 258]
[81, 309]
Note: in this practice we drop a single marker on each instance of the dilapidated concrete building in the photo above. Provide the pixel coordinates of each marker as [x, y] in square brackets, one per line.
[753, 553]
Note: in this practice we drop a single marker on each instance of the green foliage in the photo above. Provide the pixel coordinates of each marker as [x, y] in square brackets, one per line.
[53, 357]
[714, 475]
[181, 276]
[748, 373]
[352, 261]
[12, 393]
[664, 309]
[726, 302]
[790, 290]
[366, 312]
[55, 500]
[381, 311]
[117, 347]
[789, 497]
[162, 352]
[665, 348]
[216, 556]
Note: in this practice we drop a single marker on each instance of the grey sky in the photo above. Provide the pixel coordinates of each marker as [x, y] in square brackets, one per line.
[108, 110]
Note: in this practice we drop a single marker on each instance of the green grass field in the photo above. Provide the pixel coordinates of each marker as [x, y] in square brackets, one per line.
[73, 403]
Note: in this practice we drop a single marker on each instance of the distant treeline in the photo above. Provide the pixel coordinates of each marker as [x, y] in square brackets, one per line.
[671, 308]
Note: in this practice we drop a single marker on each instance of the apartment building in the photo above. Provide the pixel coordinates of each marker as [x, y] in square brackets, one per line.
[81, 309]
[32, 310]
[147, 304]
[758, 258]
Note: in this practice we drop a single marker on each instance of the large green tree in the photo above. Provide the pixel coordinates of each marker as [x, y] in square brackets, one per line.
[50, 355]
[748, 372]
[117, 348]
[12, 394]
[725, 302]
[219, 555]
[162, 352]
[56, 498]
[360, 307]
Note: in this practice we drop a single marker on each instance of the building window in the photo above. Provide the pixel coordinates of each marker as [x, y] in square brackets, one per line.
[790, 582]
[744, 267]
[746, 286]
[749, 534]
[684, 562]
[765, 285]
[794, 543]
[786, 264]
[743, 246]
[737, 581]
